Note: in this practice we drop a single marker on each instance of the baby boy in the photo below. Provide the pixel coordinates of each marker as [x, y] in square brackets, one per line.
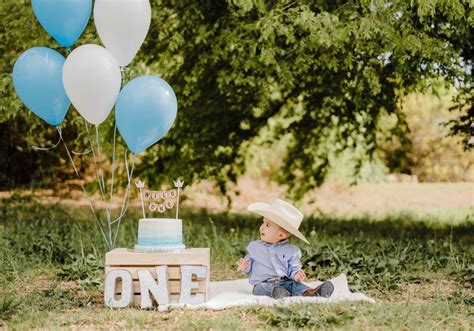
[273, 263]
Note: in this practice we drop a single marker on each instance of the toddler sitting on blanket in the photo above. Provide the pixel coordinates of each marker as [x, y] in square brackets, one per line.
[273, 263]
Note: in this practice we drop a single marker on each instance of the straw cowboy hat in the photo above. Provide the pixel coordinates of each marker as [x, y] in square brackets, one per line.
[281, 213]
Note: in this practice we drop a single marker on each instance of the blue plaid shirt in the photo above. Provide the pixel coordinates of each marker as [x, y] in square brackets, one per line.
[272, 260]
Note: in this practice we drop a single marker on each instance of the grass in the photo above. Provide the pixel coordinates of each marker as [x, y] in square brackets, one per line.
[419, 269]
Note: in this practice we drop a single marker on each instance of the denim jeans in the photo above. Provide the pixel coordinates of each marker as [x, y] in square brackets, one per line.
[265, 288]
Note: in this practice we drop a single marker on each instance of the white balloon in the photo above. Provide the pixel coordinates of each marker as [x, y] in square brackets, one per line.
[92, 79]
[122, 26]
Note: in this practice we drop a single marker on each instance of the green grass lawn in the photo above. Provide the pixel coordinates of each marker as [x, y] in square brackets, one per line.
[419, 269]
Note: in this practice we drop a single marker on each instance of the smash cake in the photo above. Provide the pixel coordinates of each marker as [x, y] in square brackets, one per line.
[160, 234]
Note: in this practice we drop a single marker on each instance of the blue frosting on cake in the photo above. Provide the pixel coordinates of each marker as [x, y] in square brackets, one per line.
[158, 241]
[160, 234]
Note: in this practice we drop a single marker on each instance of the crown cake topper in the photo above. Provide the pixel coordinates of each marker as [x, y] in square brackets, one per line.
[161, 200]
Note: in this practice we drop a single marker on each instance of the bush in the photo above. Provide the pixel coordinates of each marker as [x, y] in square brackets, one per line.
[429, 153]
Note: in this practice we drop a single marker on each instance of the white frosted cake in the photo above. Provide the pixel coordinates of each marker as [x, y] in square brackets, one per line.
[160, 234]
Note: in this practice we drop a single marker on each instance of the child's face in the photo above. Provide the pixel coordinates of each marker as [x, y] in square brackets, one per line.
[270, 232]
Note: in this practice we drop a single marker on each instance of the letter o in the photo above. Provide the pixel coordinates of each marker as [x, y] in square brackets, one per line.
[126, 298]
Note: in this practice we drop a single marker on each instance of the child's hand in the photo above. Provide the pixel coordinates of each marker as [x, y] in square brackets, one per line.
[243, 265]
[299, 276]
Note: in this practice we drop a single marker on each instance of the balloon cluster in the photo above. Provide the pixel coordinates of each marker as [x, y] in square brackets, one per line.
[90, 77]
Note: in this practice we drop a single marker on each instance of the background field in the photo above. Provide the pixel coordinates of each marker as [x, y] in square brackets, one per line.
[418, 266]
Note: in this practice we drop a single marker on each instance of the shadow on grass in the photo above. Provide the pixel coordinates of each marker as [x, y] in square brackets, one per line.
[390, 226]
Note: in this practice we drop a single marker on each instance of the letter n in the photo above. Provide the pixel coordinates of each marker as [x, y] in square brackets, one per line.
[148, 285]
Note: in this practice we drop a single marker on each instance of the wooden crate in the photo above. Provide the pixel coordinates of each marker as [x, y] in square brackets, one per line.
[132, 261]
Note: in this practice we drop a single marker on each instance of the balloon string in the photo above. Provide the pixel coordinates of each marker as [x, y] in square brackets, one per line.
[102, 182]
[100, 157]
[100, 179]
[82, 186]
[129, 175]
[82, 153]
[113, 168]
[95, 163]
[127, 194]
[36, 148]
[97, 159]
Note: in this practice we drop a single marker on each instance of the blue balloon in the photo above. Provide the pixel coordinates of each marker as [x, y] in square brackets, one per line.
[38, 82]
[65, 20]
[145, 111]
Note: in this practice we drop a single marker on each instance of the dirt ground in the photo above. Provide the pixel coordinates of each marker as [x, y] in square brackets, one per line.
[423, 198]
[340, 200]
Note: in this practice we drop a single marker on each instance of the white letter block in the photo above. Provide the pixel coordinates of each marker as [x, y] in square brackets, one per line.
[148, 284]
[127, 289]
[187, 284]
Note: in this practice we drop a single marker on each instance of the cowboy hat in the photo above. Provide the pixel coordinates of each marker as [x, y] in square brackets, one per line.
[282, 214]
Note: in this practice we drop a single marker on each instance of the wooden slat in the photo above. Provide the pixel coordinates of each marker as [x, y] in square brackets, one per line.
[174, 287]
[123, 257]
[208, 280]
[174, 272]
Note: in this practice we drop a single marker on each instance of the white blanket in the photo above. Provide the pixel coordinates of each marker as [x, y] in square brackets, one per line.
[238, 293]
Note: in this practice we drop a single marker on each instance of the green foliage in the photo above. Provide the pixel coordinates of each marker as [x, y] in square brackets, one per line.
[426, 149]
[462, 125]
[384, 268]
[466, 275]
[77, 297]
[384, 315]
[329, 69]
[462, 297]
[8, 307]
[48, 242]
[304, 317]
[85, 271]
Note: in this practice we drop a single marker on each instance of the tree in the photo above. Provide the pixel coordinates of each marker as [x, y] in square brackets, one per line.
[328, 68]
[321, 72]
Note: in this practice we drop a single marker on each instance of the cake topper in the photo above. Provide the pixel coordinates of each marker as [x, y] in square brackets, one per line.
[161, 200]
